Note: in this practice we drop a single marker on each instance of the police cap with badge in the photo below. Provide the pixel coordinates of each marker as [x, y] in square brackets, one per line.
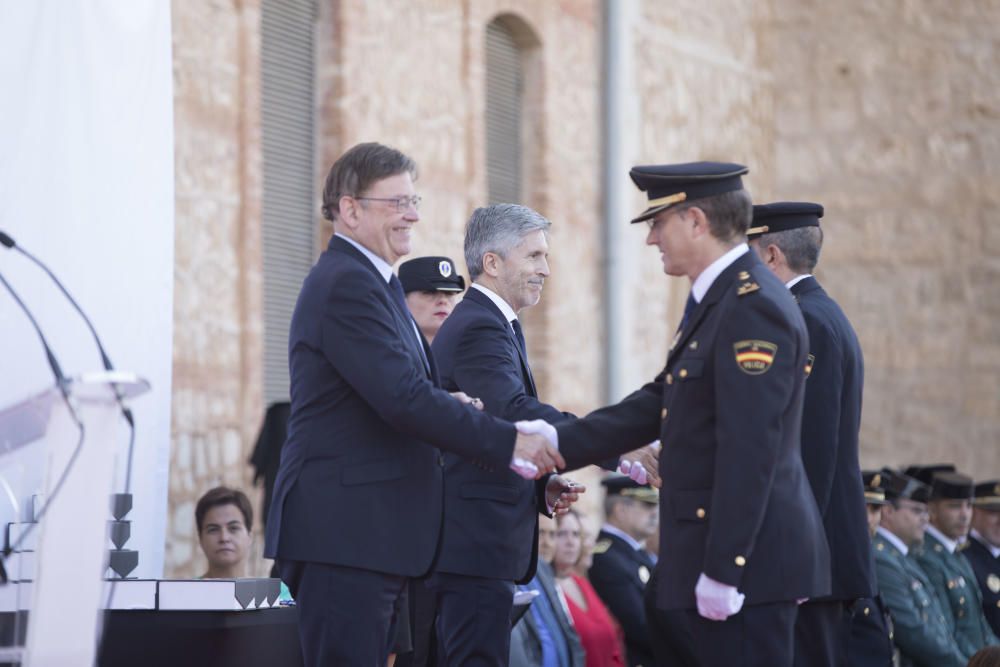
[626, 487]
[430, 274]
[874, 491]
[668, 185]
[783, 216]
[987, 495]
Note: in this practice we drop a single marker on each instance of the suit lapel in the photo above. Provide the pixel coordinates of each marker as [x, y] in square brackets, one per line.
[405, 325]
[487, 303]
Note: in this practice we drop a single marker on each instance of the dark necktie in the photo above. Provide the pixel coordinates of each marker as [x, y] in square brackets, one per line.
[689, 307]
[519, 335]
[396, 290]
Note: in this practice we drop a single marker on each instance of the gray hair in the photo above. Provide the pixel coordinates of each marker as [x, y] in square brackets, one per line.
[801, 247]
[498, 228]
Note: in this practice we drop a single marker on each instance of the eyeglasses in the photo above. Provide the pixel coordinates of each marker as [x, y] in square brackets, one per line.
[402, 203]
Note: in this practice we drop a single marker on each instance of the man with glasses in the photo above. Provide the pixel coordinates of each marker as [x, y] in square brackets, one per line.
[941, 558]
[921, 628]
[361, 467]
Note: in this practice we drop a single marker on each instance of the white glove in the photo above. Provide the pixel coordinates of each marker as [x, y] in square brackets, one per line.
[527, 469]
[717, 601]
[635, 471]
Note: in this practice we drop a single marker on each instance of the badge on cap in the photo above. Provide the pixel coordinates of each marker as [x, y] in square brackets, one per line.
[754, 357]
[444, 268]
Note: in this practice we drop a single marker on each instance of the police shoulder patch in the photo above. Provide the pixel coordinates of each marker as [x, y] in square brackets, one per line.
[754, 357]
[601, 546]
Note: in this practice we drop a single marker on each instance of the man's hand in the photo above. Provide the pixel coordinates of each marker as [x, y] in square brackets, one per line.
[643, 465]
[465, 399]
[534, 456]
[561, 493]
[717, 601]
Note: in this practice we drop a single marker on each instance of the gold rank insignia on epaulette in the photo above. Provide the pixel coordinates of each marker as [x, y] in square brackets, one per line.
[810, 360]
[747, 287]
[601, 546]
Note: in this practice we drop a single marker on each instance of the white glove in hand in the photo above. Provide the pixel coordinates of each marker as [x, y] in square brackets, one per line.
[634, 470]
[717, 601]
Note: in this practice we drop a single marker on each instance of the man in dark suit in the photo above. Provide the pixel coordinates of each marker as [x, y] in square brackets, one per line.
[983, 550]
[361, 467]
[621, 565]
[490, 538]
[788, 238]
[740, 539]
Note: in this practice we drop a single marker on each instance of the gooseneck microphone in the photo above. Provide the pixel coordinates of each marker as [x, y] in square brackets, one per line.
[8, 241]
[53, 362]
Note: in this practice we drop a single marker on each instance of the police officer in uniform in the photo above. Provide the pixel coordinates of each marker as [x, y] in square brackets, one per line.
[621, 565]
[920, 625]
[948, 570]
[741, 537]
[432, 287]
[983, 550]
[870, 637]
[788, 238]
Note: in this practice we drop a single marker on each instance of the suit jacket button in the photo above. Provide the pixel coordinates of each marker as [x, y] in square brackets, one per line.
[741, 561]
[683, 373]
[867, 611]
[700, 513]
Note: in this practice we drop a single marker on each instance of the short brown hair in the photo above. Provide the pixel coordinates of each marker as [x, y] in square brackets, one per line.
[356, 170]
[223, 495]
[729, 214]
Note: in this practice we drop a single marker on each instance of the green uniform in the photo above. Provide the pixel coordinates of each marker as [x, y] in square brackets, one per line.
[955, 585]
[921, 628]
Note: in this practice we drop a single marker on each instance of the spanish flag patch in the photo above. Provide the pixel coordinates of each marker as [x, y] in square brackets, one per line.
[754, 357]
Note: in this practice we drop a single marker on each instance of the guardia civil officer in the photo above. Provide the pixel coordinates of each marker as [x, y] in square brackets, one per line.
[741, 538]
[949, 571]
[788, 238]
[983, 551]
[870, 634]
[920, 624]
[621, 565]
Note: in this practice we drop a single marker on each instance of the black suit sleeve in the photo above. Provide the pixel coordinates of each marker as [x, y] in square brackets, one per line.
[821, 418]
[613, 430]
[750, 411]
[484, 368]
[361, 341]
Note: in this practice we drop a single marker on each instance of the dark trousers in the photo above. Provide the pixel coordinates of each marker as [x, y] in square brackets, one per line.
[423, 618]
[758, 636]
[473, 622]
[821, 634]
[346, 615]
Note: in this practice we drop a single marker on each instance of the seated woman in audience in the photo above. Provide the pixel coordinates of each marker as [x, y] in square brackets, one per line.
[224, 518]
[593, 622]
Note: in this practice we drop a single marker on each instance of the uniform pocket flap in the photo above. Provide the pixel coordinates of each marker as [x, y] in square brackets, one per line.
[368, 473]
[503, 494]
[691, 505]
[687, 369]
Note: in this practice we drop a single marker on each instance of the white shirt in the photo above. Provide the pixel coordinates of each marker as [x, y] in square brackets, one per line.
[383, 267]
[618, 532]
[498, 301]
[949, 544]
[797, 279]
[893, 540]
[994, 549]
[705, 279]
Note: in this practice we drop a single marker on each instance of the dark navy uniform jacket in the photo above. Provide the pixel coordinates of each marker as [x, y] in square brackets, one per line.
[727, 408]
[831, 420]
[619, 574]
[360, 473]
[490, 512]
[987, 569]
[870, 643]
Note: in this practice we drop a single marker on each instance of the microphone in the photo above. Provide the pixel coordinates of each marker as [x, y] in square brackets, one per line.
[8, 241]
[53, 362]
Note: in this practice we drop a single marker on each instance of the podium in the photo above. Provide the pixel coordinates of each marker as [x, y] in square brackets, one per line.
[38, 437]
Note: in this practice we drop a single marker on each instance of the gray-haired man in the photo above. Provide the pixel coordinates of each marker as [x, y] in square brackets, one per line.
[490, 537]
